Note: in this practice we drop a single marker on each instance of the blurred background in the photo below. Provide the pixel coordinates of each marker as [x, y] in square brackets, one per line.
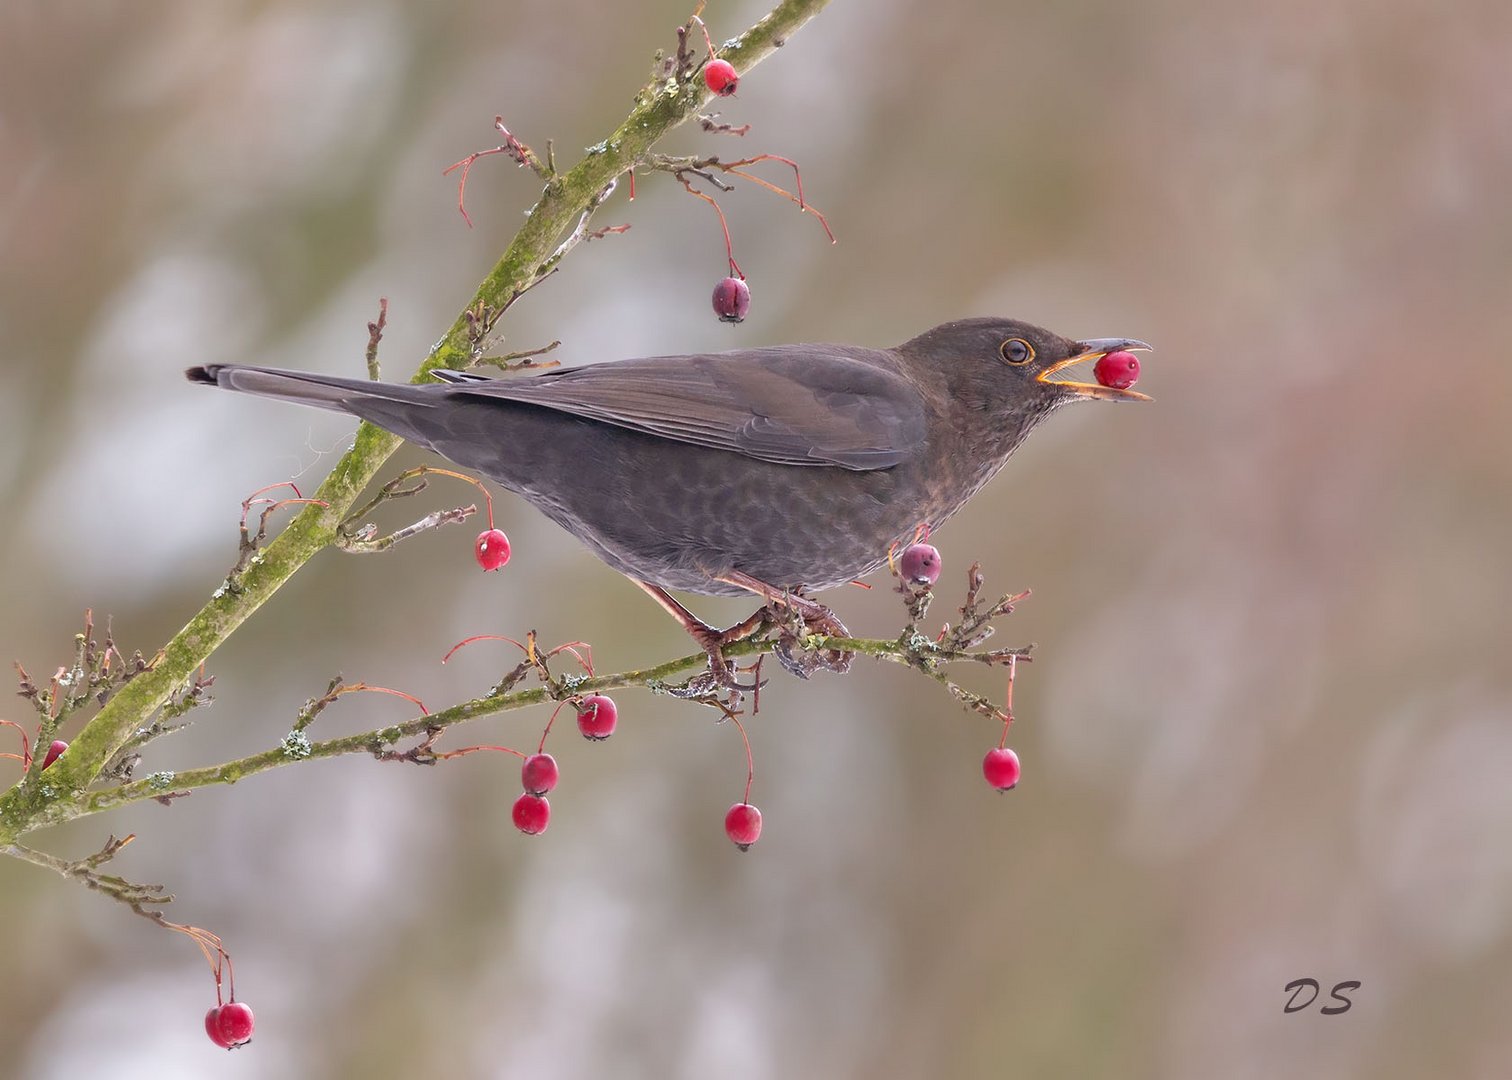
[1267, 734]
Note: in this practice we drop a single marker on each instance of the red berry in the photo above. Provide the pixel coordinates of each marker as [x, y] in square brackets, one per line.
[492, 549]
[597, 717]
[540, 773]
[53, 751]
[743, 825]
[212, 1028]
[732, 299]
[235, 1023]
[920, 564]
[1001, 768]
[1120, 370]
[531, 814]
[720, 77]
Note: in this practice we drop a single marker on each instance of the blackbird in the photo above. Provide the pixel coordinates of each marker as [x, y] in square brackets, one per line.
[777, 471]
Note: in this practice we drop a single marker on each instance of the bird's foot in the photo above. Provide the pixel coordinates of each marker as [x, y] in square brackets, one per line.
[794, 654]
[722, 672]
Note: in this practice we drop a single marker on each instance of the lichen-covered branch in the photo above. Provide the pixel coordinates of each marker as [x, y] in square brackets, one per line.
[910, 648]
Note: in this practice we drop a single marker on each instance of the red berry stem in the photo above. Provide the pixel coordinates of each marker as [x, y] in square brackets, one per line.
[696, 21]
[530, 653]
[464, 751]
[25, 756]
[736, 168]
[1008, 700]
[750, 760]
[481, 637]
[723, 225]
[422, 470]
[522, 155]
[541, 746]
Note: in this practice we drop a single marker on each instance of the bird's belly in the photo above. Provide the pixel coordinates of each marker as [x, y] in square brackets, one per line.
[682, 516]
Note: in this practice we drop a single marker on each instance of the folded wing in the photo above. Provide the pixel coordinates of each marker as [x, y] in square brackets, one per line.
[797, 405]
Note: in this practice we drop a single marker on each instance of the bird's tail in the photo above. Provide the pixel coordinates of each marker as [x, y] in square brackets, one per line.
[405, 410]
[306, 388]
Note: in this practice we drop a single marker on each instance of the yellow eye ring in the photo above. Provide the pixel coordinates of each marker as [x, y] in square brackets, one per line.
[1016, 351]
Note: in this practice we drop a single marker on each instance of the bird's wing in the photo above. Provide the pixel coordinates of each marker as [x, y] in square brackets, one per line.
[796, 405]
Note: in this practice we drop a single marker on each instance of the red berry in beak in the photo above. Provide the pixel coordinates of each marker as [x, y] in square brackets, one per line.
[1120, 370]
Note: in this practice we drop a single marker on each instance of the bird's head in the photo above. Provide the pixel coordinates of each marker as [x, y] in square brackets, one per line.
[1006, 367]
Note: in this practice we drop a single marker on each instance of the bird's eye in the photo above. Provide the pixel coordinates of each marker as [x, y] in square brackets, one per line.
[1016, 351]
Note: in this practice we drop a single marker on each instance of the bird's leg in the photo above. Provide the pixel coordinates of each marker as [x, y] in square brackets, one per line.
[817, 619]
[710, 639]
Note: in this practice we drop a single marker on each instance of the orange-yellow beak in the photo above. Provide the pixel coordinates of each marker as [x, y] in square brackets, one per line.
[1095, 349]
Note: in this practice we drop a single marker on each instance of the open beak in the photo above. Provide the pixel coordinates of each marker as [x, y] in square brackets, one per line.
[1093, 350]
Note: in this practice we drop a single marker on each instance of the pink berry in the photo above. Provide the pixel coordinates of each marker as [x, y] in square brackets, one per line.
[743, 825]
[597, 717]
[720, 77]
[53, 751]
[235, 1023]
[212, 1028]
[920, 564]
[531, 814]
[540, 774]
[1001, 768]
[732, 299]
[1120, 370]
[492, 549]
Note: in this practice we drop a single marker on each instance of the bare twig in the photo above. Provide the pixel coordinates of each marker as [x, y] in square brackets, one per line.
[375, 335]
[364, 539]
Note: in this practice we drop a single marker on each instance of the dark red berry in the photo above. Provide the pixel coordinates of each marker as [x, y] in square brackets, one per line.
[492, 549]
[235, 1023]
[597, 717]
[53, 751]
[743, 825]
[732, 299]
[920, 564]
[1120, 370]
[212, 1028]
[540, 773]
[720, 77]
[531, 814]
[1001, 768]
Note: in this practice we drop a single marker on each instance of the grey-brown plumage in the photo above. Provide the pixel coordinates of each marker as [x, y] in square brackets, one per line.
[797, 466]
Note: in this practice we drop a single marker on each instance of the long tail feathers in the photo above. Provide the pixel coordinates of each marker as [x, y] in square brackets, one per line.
[322, 391]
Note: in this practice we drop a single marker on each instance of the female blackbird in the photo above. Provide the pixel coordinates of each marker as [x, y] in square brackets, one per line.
[775, 471]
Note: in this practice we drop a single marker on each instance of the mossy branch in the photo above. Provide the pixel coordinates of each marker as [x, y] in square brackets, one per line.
[909, 648]
[660, 107]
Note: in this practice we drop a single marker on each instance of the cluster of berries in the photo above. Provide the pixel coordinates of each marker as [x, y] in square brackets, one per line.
[596, 717]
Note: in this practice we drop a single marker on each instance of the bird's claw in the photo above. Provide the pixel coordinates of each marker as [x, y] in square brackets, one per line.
[802, 660]
[721, 673]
